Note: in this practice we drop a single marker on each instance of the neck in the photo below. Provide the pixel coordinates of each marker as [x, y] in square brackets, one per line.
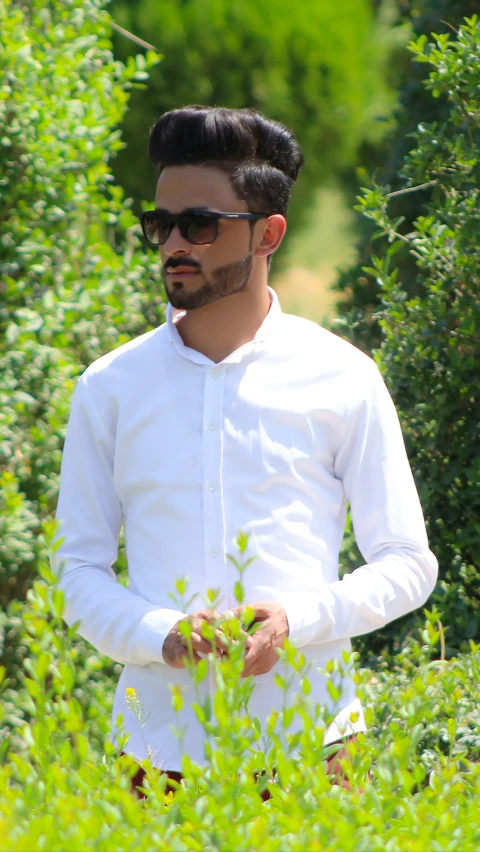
[218, 329]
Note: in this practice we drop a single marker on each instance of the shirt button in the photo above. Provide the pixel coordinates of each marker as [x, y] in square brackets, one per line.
[214, 372]
[211, 486]
[214, 551]
[212, 426]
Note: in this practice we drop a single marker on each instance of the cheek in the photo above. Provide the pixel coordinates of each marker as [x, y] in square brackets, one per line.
[214, 257]
[230, 247]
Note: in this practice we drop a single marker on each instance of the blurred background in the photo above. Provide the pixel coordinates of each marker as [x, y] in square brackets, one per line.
[339, 75]
[328, 71]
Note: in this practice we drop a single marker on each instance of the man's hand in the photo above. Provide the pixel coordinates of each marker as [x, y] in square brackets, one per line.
[262, 654]
[175, 648]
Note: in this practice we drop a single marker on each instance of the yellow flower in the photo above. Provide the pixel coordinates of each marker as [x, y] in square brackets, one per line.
[130, 692]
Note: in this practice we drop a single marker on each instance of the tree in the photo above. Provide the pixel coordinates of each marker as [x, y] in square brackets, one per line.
[430, 348]
[360, 294]
[316, 67]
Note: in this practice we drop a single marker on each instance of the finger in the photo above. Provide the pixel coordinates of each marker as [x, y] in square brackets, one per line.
[186, 656]
[206, 614]
[207, 618]
[237, 612]
[261, 664]
[225, 640]
[221, 640]
[218, 639]
[199, 644]
[183, 654]
[254, 653]
[260, 649]
[229, 614]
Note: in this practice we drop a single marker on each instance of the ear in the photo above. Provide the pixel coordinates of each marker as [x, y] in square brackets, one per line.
[271, 234]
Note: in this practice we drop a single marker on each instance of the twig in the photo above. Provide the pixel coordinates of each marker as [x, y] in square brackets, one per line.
[442, 639]
[132, 37]
[410, 189]
[449, 25]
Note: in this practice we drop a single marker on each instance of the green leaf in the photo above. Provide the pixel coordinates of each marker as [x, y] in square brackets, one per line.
[239, 591]
[333, 691]
[42, 664]
[219, 708]
[241, 541]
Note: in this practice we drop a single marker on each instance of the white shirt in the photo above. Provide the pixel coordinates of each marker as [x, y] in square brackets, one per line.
[273, 441]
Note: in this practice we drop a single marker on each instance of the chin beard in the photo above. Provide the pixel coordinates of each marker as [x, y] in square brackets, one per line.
[225, 281]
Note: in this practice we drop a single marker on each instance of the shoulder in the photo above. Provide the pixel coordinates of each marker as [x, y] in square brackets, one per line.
[305, 338]
[127, 362]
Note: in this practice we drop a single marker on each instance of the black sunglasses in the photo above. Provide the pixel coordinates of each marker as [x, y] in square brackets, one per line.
[198, 227]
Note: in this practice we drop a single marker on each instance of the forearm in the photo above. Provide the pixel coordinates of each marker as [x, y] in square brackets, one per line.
[400, 570]
[365, 600]
[118, 623]
[124, 626]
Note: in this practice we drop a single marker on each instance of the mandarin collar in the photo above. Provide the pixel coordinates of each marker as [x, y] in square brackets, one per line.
[261, 336]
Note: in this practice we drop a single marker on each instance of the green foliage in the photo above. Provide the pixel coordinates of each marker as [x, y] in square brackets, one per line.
[361, 293]
[74, 283]
[413, 776]
[320, 72]
[430, 350]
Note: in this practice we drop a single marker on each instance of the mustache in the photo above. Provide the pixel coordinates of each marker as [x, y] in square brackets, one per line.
[174, 262]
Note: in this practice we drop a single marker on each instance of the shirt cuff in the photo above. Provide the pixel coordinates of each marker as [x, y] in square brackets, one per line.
[153, 630]
[303, 615]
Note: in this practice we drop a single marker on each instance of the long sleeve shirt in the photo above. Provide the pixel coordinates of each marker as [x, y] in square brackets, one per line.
[185, 453]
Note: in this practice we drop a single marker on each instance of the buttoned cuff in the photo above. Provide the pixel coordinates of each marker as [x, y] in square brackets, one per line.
[152, 632]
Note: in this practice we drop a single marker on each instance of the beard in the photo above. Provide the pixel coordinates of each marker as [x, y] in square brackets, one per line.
[232, 278]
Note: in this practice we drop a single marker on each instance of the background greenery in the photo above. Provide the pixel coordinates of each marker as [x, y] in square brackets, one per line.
[426, 272]
[75, 282]
[320, 68]
[384, 161]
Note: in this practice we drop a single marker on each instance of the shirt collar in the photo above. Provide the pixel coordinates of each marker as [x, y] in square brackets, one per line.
[261, 336]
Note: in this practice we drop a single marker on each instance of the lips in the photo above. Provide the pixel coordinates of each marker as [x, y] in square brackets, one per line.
[182, 271]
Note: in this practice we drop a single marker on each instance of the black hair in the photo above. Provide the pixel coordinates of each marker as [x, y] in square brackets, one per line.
[261, 156]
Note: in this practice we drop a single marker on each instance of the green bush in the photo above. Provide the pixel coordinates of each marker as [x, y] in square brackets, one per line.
[430, 349]
[74, 283]
[386, 158]
[420, 752]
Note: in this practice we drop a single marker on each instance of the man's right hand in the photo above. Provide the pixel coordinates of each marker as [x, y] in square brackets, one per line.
[175, 648]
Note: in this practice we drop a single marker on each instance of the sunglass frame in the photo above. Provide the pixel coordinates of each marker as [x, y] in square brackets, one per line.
[176, 219]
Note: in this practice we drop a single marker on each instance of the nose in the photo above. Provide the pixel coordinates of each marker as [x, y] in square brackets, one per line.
[176, 244]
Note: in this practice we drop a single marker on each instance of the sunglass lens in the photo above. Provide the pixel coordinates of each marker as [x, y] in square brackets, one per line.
[200, 229]
[157, 228]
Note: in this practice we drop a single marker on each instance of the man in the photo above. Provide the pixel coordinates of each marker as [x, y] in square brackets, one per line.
[232, 416]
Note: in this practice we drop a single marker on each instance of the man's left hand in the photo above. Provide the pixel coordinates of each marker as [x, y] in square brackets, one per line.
[262, 654]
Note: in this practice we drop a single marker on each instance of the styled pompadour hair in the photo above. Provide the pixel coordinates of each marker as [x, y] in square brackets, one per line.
[261, 156]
